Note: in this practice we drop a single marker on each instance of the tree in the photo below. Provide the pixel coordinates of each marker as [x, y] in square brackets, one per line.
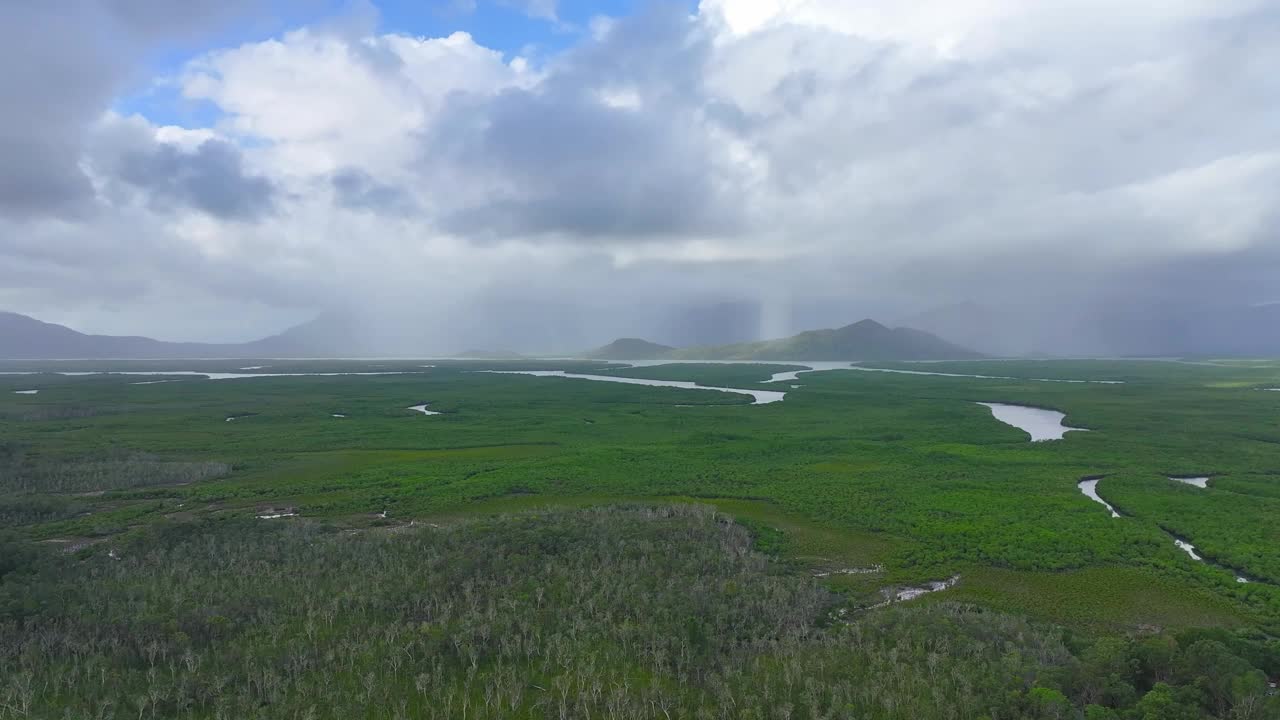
[1162, 703]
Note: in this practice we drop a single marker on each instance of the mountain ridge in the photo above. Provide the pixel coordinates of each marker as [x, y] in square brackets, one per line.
[863, 340]
[26, 338]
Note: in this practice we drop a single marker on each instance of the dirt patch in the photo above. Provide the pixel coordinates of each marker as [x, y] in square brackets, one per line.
[73, 545]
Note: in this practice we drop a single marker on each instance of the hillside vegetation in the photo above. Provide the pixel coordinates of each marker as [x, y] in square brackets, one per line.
[630, 349]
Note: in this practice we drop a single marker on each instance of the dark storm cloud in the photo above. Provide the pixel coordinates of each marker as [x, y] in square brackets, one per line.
[1062, 302]
[612, 146]
[355, 189]
[63, 64]
[40, 176]
[574, 166]
[57, 75]
[211, 178]
[167, 18]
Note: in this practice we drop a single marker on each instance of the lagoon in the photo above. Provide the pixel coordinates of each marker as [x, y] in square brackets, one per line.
[1041, 424]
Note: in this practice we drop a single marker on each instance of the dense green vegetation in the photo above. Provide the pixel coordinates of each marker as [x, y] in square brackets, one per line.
[901, 475]
[627, 613]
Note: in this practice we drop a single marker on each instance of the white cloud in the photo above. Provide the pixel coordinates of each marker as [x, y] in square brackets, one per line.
[973, 27]
[1222, 206]
[541, 9]
[323, 100]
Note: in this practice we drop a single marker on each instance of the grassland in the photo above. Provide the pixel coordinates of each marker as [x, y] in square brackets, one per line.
[853, 470]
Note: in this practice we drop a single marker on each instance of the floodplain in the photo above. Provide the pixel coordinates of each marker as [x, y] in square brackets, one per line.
[490, 526]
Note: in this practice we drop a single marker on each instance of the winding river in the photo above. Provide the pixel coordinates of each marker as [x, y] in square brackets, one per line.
[759, 397]
[1186, 547]
[794, 375]
[985, 377]
[1089, 486]
[825, 365]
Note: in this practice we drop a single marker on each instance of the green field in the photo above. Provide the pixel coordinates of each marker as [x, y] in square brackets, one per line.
[129, 529]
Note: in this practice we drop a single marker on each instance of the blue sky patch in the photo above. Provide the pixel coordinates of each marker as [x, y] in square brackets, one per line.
[514, 27]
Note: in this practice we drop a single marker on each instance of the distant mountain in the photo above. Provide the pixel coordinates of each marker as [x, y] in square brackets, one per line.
[327, 335]
[25, 338]
[630, 349]
[865, 340]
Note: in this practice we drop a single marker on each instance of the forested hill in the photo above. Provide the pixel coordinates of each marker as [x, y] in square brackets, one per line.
[630, 349]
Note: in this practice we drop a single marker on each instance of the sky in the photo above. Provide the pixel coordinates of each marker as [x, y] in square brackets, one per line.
[549, 174]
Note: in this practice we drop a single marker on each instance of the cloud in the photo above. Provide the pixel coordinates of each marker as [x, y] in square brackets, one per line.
[325, 100]
[984, 28]
[151, 19]
[355, 189]
[613, 145]
[63, 64]
[57, 75]
[172, 170]
[538, 9]
[576, 167]
[211, 178]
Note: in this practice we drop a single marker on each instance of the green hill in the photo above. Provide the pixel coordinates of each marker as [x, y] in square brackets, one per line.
[630, 349]
[865, 340]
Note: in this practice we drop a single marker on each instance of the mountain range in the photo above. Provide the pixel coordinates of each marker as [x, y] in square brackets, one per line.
[864, 340]
[25, 338]
[1106, 329]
